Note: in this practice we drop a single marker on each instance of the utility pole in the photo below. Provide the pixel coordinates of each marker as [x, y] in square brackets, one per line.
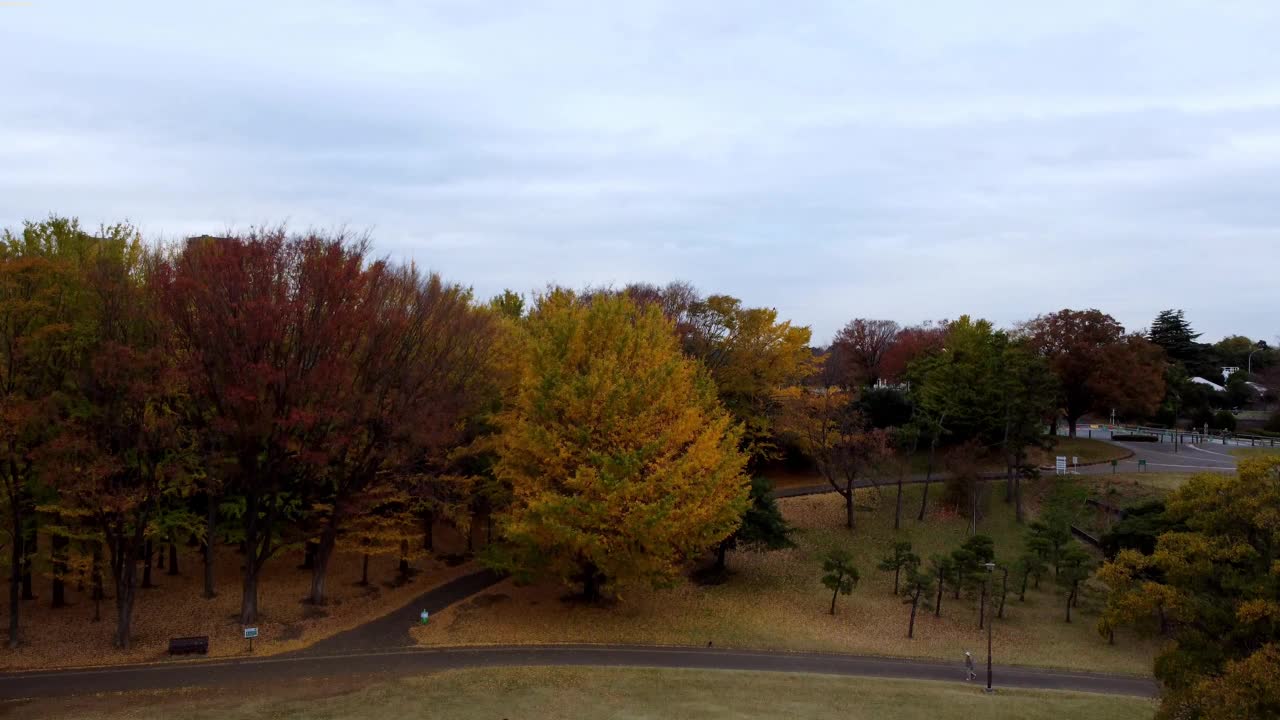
[991, 567]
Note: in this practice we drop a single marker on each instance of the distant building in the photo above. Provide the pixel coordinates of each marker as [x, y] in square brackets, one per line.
[1212, 385]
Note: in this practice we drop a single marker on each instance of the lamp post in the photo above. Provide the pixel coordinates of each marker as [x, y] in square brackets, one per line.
[991, 568]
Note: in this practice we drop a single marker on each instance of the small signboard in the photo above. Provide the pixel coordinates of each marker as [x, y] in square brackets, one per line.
[424, 617]
[1142, 465]
[1061, 467]
[250, 633]
[1075, 460]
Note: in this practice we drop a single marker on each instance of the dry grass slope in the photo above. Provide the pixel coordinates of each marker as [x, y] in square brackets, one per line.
[776, 601]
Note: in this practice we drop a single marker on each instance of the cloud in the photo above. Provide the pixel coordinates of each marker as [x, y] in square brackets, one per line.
[841, 159]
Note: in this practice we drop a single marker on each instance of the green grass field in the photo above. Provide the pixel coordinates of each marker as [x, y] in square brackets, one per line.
[776, 601]
[547, 693]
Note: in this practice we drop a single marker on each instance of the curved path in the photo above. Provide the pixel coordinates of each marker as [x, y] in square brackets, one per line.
[383, 663]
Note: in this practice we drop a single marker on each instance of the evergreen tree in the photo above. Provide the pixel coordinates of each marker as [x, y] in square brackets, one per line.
[840, 575]
[763, 528]
[1171, 331]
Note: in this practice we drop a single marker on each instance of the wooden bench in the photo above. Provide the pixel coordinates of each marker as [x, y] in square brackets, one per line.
[188, 645]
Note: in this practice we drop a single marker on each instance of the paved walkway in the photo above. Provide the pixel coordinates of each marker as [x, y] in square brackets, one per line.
[381, 664]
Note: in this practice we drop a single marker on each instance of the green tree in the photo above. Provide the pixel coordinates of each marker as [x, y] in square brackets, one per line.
[46, 332]
[1028, 393]
[941, 567]
[918, 585]
[763, 528]
[1029, 565]
[840, 575]
[622, 464]
[956, 390]
[1171, 331]
[899, 559]
[1074, 567]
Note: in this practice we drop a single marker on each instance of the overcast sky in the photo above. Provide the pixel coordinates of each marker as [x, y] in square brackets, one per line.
[906, 160]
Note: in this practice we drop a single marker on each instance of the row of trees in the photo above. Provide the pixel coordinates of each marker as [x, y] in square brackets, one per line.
[292, 383]
[275, 391]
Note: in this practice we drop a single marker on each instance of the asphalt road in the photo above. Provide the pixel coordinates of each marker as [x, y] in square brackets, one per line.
[1160, 457]
[387, 663]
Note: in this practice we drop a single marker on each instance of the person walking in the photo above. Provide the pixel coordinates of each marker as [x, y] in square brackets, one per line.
[968, 667]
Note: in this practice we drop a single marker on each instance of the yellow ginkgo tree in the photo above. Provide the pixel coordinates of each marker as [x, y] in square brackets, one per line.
[622, 464]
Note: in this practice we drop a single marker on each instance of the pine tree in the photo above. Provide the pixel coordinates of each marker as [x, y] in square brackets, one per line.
[1171, 331]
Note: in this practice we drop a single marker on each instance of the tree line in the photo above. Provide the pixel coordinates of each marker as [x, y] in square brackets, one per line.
[268, 391]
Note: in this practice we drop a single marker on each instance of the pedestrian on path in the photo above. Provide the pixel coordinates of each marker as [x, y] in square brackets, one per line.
[968, 666]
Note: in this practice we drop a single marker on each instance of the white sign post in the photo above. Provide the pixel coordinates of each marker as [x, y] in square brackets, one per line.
[1061, 467]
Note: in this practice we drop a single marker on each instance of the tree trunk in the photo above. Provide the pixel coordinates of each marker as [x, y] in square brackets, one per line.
[1071, 425]
[896, 571]
[1022, 596]
[29, 548]
[897, 506]
[308, 556]
[125, 576]
[160, 557]
[590, 583]
[15, 580]
[928, 475]
[173, 559]
[937, 608]
[721, 551]
[146, 567]
[58, 554]
[320, 564]
[848, 505]
[211, 520]
[982, 607]
[911, 626]
[364, 571]
[1004, 591]
[1017, 490]
[428, 531]
[834, 595]
[1070, 596]
[404, 560]
[97, 582]
[249, 594]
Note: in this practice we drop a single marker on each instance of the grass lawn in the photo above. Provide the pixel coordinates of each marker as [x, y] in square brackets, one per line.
[1123, 490]
[544, 693]
[776, 600]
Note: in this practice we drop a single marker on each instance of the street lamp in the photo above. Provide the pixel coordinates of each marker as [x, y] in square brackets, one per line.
[991, 570]
[1262, 345]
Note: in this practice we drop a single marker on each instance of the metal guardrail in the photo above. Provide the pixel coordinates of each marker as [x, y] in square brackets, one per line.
[1190, 436]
